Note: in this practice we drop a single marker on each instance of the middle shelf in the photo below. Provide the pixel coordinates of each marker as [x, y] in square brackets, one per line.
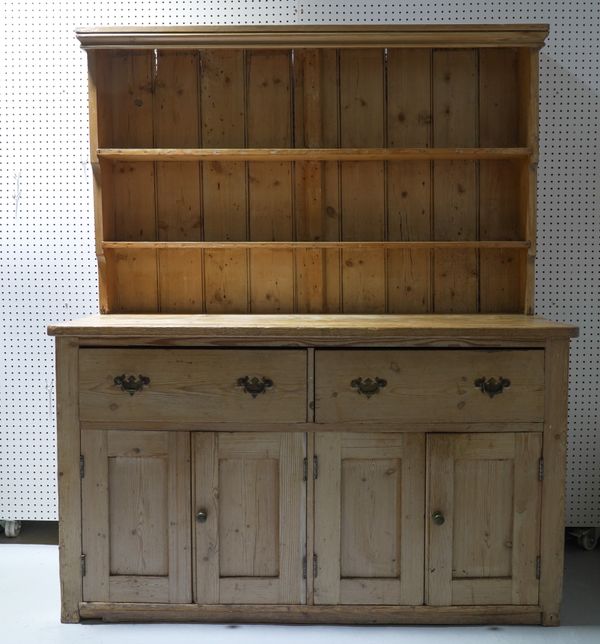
[311, 154]
[354, 245]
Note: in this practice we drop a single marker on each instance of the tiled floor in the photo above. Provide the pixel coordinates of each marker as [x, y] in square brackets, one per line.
[29, 612]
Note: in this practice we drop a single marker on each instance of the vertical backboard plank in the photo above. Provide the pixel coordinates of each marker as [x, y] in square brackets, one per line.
[180, 280]
[223, 112]
[226, 280]
[269, 104]
[455, 198]
[272, 280]
[134, 275]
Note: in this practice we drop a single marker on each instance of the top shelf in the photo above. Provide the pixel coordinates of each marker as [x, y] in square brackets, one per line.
[310, 154]
[322, 36]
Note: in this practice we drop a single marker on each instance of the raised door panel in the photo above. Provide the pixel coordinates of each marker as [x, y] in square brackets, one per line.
[136, 516]
[250, 530]
[483, 519]
[369, 505]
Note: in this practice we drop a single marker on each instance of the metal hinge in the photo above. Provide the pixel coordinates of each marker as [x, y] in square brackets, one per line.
[83, 567]
[315, 467]
[305, 470]
[81, 466]
[538, 567]
[541, 469]
[315, 566]
[304, 567]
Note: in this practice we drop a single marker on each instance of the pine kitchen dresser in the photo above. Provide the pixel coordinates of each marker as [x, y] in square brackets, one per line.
[316, 391]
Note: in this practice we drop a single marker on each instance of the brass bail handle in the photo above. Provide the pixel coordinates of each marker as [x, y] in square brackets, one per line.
[491, 386]
[131, 384]
[368, 386]
[254, 386]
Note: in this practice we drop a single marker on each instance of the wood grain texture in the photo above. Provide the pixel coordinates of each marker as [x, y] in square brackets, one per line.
[250, 548]
[176, 124]
[285, 187]
[487, 488]
[409, 281]
[363, 281]
[133, 274]
[223, 124]
[428, 386]
[138, 509]
[134, 201]
[95, 517]
[131, 88]
[226, 280]
[69, 486]
[409, 120]
[369, 497]
[327, 532]
[206, 535]
[507, 327]
[455, 117]
[179, 500]
[249, 526]
[136, 518]
[362, 122]
[190, 385]
[271, 281]
[286, 36]
[553, 489]
[499, 210]
[529, 131]
[270, 200]
[317, 153]
[180, 281]
[320, 245]
[494, 615]
[352, 131]
[527, 503]
[100, 125]
[132, 197]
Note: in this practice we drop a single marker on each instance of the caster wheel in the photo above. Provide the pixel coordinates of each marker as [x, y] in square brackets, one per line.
[588, 540]
[12, 528]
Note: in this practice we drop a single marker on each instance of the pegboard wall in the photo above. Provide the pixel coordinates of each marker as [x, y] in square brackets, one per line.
[47, 266]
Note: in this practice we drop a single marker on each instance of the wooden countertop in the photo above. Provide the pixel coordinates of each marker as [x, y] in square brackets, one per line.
[523, 327]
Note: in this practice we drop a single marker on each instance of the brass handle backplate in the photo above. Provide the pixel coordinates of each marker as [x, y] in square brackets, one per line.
[201, 516]
[438, 518]
[255, 386]
[491, 386]
[368, 386]
[131, 384]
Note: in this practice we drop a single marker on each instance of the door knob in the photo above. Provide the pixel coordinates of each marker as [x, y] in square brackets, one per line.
[201, 516]
[438, 518]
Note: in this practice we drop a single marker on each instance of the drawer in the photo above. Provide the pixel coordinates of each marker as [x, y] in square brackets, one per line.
[435, 385]
[192, 385]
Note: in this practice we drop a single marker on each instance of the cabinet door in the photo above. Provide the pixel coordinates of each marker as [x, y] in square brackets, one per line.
[136, 516]
[369, 528]
[484, 516]
[250, 517]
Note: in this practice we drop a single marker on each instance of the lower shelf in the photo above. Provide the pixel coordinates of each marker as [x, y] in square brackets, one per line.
[248, 613]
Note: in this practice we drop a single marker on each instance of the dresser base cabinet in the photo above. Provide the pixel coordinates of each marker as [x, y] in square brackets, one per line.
[283, 502]
[317, 392]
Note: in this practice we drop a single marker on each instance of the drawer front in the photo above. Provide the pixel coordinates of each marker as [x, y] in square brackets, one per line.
[434, 385]
[192, 385]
